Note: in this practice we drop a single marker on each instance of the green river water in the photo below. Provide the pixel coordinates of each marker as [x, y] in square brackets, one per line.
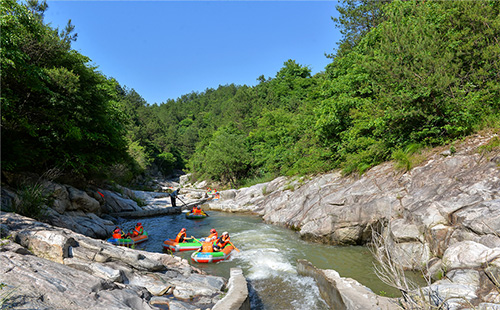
[268, 257]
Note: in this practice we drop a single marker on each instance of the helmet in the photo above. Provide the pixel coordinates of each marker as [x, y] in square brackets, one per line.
[225, 233]
[184, 229]
[117, 229]
[198, 207]
[139, 224]
[212, 230]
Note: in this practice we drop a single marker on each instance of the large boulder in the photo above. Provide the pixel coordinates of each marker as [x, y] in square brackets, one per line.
[81, 201]
[60, 261]
[116, 202]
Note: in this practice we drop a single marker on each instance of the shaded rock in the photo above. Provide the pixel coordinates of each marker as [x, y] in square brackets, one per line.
[116, 203]
[81, 201]
[87, 224]
[9, 200]
[59, 194]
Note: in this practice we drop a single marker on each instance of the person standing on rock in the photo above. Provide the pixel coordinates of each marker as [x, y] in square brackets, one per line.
[173, 196]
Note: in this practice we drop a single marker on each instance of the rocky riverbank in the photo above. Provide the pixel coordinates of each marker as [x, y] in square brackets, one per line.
[62, 263]
[443, 214]
[442, 217]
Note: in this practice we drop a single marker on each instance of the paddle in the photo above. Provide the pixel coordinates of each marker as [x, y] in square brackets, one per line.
[184, 204]
[234, 246]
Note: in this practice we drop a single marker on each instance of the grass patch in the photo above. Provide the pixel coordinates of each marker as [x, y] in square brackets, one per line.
[492, 145]
[409, 157]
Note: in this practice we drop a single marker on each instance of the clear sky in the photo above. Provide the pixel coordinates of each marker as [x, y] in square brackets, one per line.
[165, 49]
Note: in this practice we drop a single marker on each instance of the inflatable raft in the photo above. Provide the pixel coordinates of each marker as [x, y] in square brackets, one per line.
[213, 257]
[193, 216]
[189, 245]
[129, 241]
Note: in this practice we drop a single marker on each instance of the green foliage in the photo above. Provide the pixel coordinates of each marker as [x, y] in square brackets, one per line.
[356, 19]
[57, 110]
[427, 74]
[226, 158]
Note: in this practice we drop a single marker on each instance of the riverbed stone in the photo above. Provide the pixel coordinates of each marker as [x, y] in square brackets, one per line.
[344, 293]
[237, 297]
[469, 254]
[404, 231]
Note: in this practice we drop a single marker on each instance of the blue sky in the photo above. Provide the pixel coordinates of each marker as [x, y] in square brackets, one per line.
[165, 49]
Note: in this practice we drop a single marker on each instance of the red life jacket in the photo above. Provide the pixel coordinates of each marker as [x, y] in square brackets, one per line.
[117, 235]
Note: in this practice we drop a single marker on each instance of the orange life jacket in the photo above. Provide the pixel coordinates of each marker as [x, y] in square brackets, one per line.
[207, 247]
[138, 230]
[179, 235]
[212, 236]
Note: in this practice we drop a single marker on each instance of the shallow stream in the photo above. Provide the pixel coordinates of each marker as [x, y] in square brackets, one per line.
[268, 257]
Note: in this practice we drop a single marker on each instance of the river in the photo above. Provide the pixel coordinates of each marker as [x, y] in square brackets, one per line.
[268, 257]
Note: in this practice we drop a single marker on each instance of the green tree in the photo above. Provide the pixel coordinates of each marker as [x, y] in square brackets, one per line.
[57, 110]
[226, 158]
[356, 19]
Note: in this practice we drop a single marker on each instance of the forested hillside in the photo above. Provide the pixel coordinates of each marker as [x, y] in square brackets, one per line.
[407, 75]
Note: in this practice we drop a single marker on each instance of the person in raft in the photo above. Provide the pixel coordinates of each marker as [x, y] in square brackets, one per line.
[207, 246]
[213, 235]
[118, 233]
[222, 241]
[138, 230]
[198, 210]
[181, 236]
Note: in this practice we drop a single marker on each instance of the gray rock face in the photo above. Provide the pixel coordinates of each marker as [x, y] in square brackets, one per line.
[448, 207]
[459, 192]
[345, 293]
[37, 283]
[55, 268]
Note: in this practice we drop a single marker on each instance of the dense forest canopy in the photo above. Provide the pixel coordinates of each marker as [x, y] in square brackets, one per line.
[406, 75]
